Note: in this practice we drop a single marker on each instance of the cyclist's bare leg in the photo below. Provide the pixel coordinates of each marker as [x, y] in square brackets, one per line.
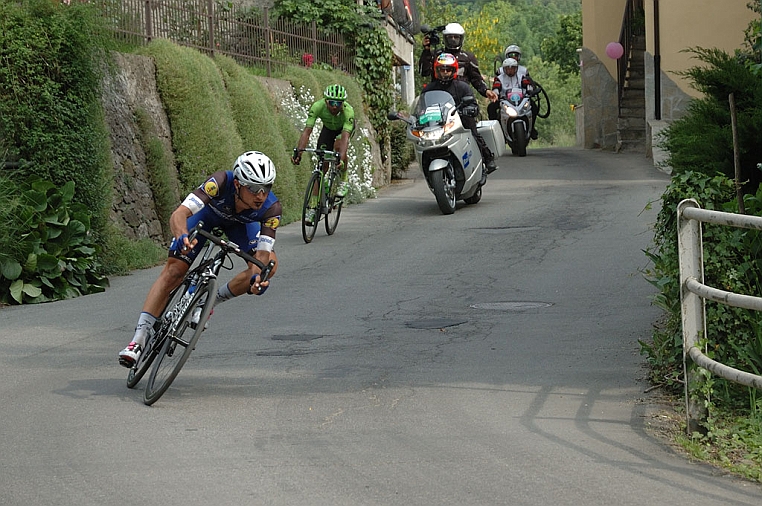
[170, 277]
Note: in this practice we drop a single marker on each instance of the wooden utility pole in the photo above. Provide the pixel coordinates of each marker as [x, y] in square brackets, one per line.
[736, 155]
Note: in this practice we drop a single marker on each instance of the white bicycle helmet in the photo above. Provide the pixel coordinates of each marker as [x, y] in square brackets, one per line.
[454, 34]
[254, 168]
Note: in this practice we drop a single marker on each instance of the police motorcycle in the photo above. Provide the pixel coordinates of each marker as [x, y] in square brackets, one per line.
[445, 150]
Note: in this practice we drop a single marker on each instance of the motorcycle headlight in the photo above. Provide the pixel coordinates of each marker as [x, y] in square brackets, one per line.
[511, 112]
[435, 136]
[527, 106]
[449, 126]
[429, 135]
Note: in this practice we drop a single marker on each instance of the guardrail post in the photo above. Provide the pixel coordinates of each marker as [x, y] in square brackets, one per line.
[690, 249]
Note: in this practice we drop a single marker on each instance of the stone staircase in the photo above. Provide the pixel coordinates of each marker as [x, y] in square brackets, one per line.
[631, 123]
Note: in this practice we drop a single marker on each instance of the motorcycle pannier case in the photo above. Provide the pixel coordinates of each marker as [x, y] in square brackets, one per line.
[493, 136]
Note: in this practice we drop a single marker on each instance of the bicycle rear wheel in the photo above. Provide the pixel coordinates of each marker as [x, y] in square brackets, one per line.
[333, 203]
[155, 342]
[313, 189]
[178, 346]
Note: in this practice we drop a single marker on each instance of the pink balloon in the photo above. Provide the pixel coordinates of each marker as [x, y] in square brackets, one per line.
[614, 50]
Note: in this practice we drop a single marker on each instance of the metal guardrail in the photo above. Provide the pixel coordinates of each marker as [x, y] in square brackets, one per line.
[693, 294]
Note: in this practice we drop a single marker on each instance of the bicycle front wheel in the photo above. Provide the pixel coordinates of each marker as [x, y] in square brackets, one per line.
[333, 204]
[180, 341]
[156, 341]
[311, 207]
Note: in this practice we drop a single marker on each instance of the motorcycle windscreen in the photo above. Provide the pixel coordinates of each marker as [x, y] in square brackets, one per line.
[429, 106]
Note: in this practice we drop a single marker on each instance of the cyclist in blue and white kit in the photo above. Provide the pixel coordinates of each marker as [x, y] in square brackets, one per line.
[241, 203]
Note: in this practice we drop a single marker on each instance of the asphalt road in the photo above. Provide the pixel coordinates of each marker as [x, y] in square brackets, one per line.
[489, 357]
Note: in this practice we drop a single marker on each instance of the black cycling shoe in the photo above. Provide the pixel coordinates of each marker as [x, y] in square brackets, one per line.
[483, 180]
[533, 134]
[491, 166]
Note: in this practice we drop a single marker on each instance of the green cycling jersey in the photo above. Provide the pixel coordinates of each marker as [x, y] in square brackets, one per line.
[345, 120]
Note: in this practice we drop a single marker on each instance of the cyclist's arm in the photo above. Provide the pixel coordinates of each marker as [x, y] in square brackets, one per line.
[312, 116]
[304, 139]
[343, 146]
[266, 243]
[346, 132]
[178, 224]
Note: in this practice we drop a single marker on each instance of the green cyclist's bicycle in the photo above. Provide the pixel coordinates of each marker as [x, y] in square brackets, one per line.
[321, 197]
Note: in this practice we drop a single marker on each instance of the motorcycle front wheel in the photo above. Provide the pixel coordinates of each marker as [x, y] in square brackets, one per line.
[519, 139]
[443, 185]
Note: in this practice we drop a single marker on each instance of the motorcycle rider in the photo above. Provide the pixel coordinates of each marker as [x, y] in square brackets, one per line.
[445, 70]
[468, 65]
[514, 51]
[510, 76]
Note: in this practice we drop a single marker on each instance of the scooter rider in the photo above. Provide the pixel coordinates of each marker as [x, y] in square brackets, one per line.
[508, 78]
[445, 68]
[514, 51]
[468, 65]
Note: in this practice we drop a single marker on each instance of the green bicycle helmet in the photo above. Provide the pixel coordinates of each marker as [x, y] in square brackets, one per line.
[335, 92]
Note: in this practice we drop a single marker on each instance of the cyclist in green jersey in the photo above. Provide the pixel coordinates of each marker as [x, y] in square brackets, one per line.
[338, 119]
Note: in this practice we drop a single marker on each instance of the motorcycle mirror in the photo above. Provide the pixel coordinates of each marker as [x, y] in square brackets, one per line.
[393, 115]
[468, 100]
[425, 28]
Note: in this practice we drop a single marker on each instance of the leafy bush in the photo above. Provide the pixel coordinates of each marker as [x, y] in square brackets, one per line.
[50, 112]
[403, 152]
[702, 140]
[731, 263]
[665, 351]
[54, 256]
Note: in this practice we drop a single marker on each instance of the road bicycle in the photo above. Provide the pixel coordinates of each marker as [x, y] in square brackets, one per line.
[175, 335]
[321, 193]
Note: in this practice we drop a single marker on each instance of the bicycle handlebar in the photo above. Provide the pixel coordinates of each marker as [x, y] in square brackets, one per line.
[230, 246]
[328, 154]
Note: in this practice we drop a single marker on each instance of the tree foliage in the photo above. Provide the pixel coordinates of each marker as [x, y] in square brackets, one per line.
[50, 112]
[562, 47]
[702, 140]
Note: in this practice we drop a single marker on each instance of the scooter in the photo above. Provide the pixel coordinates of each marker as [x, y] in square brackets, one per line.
[446, 151]
[517, 120]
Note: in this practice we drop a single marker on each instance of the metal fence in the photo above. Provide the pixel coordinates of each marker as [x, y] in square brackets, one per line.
[248, 35]
[693, 295]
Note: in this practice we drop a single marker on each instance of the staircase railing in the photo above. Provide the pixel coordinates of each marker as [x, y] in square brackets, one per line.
[633, 23]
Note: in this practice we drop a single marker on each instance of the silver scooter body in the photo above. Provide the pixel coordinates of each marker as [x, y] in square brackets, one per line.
[446, 151]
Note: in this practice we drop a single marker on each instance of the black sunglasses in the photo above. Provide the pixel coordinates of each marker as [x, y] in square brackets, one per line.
[335, 103]
[256, 189]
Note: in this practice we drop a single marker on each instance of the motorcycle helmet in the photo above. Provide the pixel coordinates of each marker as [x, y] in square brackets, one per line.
[513, 51]
[444, 62]
[335, 92]
[508, 63]
[254, 169]
[454, 35]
